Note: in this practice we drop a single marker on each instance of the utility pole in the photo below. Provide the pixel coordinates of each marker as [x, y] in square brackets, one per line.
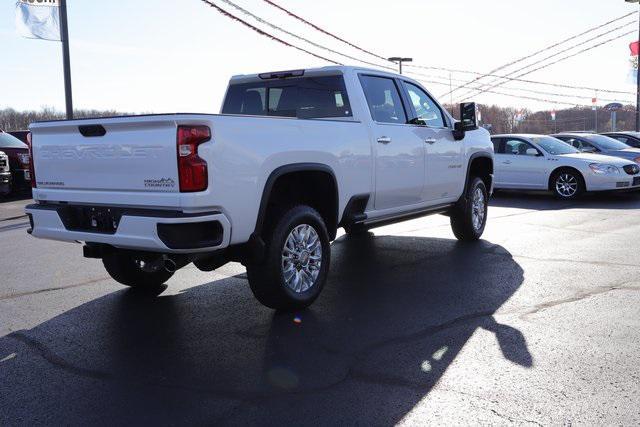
[637, 74]
[399, 60]
[450, 92]
[66, 61]
[595, 111]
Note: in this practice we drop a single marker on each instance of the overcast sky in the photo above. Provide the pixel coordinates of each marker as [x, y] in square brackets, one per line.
[177, 55]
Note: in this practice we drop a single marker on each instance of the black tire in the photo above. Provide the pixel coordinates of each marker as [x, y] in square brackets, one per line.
[561, 184]
[267, 279]
[462, 216]
[124, 268]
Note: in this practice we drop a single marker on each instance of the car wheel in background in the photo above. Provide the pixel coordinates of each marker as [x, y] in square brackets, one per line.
[567, 184]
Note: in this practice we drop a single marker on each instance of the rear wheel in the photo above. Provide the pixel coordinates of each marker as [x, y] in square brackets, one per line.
[469, 217]
[295, 266]
[567, 184]
[134, 270]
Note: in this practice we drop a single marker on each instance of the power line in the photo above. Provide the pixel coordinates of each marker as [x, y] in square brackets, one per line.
[491, 74]
[537, 92]
[296, 36]
[564, 59]
[548, 101]
[502, 67]
[317, 28]
[536, 82]
[511, 88]
[557, 54]
[264, 33]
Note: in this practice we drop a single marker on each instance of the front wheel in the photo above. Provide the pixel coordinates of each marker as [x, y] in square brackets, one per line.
[567, 184]
[295, 266]
[469, 217]
[135, 271]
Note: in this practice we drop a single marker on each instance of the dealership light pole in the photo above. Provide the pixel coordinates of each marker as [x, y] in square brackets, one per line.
[637, 75]
[400, 60]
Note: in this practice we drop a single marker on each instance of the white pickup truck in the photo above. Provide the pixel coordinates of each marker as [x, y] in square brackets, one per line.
[293, 156]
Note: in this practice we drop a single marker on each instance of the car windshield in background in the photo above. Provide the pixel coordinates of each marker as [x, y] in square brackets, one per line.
[554, 146]
[605, 143]
[304, 98]
[9, 141]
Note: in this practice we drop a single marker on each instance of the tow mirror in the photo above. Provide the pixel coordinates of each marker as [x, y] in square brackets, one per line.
[468, 120]
[468, 116]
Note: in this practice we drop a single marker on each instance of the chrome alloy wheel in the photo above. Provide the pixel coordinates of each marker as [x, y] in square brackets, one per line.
[301, 258]
[566, 185]
[478, 209]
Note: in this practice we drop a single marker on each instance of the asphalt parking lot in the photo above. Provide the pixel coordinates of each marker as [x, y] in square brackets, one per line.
[539, 323]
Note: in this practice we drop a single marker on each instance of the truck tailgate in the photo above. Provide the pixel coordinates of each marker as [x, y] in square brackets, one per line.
[119, 154]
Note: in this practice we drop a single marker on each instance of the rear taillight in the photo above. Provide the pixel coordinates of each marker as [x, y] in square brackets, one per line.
[192, 169]
[32, 171]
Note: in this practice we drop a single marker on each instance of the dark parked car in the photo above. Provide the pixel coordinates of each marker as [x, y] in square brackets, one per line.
[18, 156]
[632, 139]
[594, 143]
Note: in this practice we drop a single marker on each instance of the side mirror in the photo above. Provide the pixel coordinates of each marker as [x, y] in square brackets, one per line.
[532, 152]
[467, 121]
[468, 116]
[458, 131]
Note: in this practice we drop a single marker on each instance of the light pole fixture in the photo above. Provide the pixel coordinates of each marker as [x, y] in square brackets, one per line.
[399, 60]
[637, 75]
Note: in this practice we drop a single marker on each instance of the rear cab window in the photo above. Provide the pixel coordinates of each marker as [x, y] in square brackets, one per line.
[301, 97]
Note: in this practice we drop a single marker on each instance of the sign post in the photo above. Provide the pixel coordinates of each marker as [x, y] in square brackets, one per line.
[613, 107]
[66, 61]
[47, 20]
[637, 71]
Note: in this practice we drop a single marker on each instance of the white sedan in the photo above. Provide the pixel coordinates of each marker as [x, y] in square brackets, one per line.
[538, 162]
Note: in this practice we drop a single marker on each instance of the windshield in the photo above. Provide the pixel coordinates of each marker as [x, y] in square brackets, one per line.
[554, 146]
[605, 143]
[9, 141]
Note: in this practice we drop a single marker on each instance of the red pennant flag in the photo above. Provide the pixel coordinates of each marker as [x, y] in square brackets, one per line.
[635, 48]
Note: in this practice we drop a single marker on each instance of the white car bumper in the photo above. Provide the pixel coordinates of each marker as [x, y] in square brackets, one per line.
[612, 182]
[147, 231]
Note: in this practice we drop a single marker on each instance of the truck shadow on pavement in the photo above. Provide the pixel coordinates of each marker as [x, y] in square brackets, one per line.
[394, 315]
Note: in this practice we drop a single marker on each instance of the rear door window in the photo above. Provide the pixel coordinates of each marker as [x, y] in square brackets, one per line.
[383, 99]
[304, 98]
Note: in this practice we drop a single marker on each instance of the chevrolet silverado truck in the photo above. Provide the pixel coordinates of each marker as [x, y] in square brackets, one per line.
[293, 157]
